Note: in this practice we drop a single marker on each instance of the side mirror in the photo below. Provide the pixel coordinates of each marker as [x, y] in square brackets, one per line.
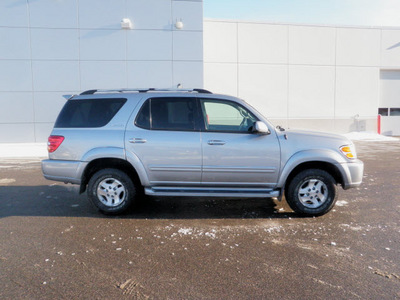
[260, 128]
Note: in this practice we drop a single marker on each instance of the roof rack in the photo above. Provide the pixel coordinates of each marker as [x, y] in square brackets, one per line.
[91, 92]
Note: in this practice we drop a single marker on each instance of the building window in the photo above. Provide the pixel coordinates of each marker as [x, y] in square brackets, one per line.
[383, 111]
[395, 111]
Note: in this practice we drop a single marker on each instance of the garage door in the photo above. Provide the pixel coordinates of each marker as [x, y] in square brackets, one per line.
[389, 106]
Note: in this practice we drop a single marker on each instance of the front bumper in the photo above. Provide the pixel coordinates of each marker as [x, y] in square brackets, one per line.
[352, 173]
[63, 170]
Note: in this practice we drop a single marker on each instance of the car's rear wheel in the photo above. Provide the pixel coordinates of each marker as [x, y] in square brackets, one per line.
[111, 191]
[312, 192]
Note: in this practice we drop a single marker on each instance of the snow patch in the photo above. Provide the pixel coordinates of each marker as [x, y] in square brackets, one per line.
[7, 180]
[210, 234]
[368, 136]
[273, 229]
[185, 231]
[21, 150]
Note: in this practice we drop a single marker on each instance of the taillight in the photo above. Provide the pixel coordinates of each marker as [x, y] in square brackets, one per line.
[53, 142]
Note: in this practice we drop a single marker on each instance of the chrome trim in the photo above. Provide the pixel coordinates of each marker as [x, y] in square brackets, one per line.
[216, 142]
[210, 185]
[238, 169]
[137, 140]
[168, 168]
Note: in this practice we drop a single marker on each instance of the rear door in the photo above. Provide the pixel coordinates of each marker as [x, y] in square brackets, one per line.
[165, 136]
[232, 154]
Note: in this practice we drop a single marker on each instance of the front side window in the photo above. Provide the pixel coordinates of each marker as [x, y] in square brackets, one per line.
[168, 114]
[226, 116]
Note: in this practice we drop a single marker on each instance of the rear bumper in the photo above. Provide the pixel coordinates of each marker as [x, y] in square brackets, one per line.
[63, 170]
[352, 173]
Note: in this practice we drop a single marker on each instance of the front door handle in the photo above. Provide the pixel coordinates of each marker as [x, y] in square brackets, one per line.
[137, 141]
[216, 142]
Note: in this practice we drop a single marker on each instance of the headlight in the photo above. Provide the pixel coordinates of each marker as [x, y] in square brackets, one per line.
[349, 151]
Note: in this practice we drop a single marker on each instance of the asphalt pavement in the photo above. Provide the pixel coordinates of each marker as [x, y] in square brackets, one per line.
[55, 245]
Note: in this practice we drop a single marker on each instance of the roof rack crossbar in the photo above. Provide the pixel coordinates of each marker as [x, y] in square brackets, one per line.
[200, 91]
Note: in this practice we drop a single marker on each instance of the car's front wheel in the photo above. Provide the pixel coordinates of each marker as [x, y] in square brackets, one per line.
[111, 191]
[312, 192]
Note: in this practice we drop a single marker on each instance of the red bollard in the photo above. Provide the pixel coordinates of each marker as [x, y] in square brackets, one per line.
[379, 124]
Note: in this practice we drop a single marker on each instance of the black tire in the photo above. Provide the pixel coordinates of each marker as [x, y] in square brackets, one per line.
[312, 192]
[111, 191]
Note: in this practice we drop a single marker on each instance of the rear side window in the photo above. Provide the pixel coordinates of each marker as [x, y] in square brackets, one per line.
[88, 112]
[168, 114]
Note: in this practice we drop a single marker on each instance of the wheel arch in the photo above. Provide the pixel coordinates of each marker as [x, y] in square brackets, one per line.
[106, 163]
[320, 165]
[324, 159]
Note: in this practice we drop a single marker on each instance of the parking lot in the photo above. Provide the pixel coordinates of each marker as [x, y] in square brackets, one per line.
[54, 244]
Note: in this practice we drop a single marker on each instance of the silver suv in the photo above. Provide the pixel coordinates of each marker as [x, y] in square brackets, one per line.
[115, 144]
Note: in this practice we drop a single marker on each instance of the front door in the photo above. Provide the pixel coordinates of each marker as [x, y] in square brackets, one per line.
[232, 154]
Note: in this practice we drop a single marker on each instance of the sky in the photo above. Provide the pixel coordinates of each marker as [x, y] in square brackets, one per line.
[326, 12]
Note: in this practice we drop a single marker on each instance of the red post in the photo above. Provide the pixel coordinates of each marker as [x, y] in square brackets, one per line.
[379, 124]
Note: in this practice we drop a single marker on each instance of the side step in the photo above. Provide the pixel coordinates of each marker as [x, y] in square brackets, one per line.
[212, 192]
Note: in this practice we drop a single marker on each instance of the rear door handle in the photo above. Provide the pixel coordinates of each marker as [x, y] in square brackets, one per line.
[137, 141]
[216, 142]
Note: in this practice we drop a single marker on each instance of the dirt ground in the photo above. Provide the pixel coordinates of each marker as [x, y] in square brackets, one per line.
[55, 245]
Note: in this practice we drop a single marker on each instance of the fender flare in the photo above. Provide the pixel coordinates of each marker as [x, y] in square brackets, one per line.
[119, 153]
[314, 155]
[136, 163]
[96, 153]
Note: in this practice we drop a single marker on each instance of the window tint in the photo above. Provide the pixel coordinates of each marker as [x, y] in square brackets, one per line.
[168, 114]
[226, 116]
[88, 112]
[143, 118]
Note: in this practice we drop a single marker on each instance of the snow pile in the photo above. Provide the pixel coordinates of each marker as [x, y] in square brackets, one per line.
[368, 136]
[23, 150]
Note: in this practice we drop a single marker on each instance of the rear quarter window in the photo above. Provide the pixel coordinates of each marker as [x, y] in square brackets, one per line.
[88, 113]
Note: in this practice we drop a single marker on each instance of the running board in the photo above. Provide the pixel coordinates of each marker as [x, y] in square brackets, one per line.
[212, 192]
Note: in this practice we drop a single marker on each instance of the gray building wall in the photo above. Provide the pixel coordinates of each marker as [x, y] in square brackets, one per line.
[49, 48]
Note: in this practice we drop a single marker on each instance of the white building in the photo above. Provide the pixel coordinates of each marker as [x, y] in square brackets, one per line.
[318, 77]
[329, 78]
